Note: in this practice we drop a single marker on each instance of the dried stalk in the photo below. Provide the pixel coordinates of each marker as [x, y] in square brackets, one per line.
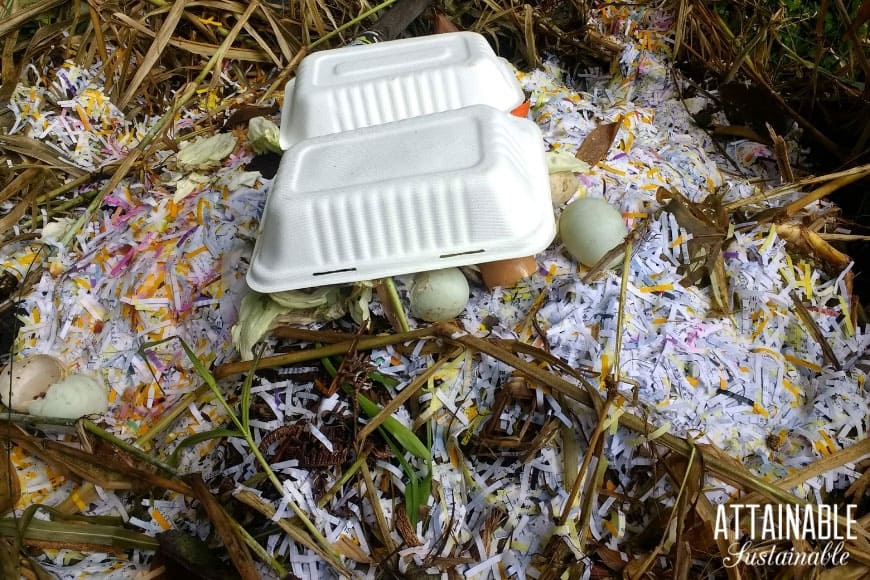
[340, 348]
[453, 333]
[789, 188]
[405, 394]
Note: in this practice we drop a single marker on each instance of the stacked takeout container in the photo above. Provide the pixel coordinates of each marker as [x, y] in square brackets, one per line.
[402, 157]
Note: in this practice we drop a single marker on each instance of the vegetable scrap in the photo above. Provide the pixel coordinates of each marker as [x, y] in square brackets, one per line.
[472, 475]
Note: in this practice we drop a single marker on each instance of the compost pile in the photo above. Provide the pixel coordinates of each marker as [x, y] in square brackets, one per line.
[584, 421]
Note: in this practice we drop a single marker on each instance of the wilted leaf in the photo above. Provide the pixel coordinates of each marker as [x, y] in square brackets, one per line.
[558, 160]
[206, 152]
[264, 136]
[694, 481]
[597, 143]
[229, 535]
[10, 488]
[707, 223]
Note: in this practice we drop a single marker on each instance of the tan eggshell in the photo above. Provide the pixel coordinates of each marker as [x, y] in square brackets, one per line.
[30, 378]
[507, 272]
[563, 184]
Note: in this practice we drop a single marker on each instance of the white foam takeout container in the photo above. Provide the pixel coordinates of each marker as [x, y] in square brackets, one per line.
[448, 189]
[359, 86]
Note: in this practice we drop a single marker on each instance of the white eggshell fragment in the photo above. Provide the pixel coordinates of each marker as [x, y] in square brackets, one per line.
[73, 397]
[590, 227]
[439, 294]
[29, 379]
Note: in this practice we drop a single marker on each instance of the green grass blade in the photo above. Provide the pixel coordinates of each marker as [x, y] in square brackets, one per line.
[403, 436]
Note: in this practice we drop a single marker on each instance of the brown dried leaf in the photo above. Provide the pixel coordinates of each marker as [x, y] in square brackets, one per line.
[229, 535]
[597, 143]
[18, 184]
[687, 525]
[10, 487]
[695, 218]
[444, 24]
[707, 222]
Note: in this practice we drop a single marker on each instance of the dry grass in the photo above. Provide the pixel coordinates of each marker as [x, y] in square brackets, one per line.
[810, 59]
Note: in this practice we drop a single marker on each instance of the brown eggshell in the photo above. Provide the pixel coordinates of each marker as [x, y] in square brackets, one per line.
[507, 272]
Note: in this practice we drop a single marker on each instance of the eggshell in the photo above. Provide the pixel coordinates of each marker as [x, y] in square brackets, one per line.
[563, 185]
[73, 397]
[591, 227]
[507, 272]
[29, 379]
[439, 294]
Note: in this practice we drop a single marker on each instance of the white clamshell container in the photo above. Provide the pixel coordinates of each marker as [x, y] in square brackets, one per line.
[448, 189]
[360, 86]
